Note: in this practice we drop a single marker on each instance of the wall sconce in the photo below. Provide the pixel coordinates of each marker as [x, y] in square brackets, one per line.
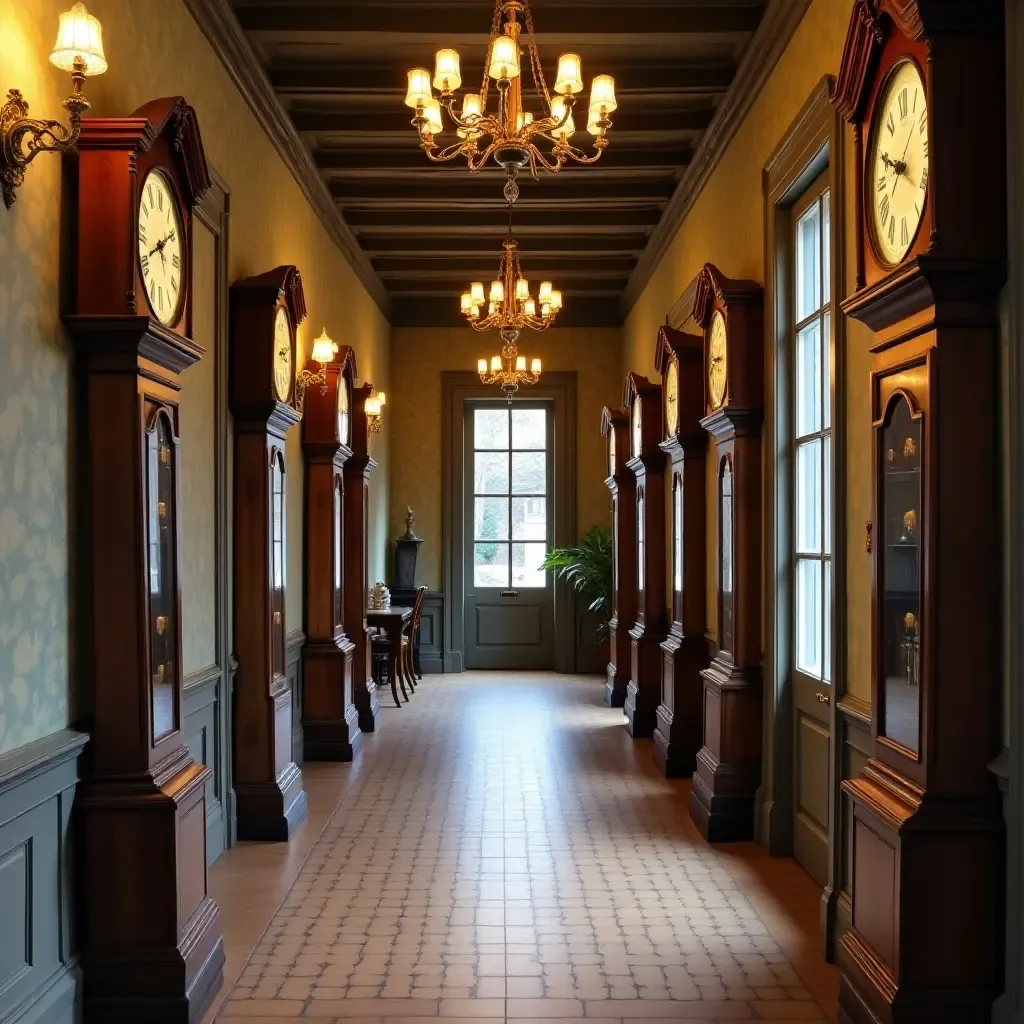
[374, 406]
[324, 351]
[79, 50]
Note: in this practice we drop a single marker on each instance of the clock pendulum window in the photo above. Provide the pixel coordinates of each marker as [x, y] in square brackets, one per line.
[265, 313]
[931, 252]
[622, 485]
[359, 467]
[646, 463]
[679, 358]
[142, 803]
[330, 730]
[728, 769]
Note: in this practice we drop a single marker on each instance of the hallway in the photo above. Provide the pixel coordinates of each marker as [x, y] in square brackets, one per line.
[504, 850]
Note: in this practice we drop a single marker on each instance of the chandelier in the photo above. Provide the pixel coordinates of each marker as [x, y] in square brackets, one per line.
[508, 370]
[511, 134]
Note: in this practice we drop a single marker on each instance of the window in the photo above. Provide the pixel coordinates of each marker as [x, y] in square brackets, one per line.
[812, 423]
[510, 504]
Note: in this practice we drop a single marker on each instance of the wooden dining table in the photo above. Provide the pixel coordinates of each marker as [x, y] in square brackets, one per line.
[392, 621]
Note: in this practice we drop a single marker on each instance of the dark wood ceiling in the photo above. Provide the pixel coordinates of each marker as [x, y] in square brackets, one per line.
[338, 68]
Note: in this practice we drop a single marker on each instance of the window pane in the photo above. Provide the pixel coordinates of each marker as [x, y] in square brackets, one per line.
[808, 263]
[826, 372]
[808, 380]
[826, 493]
[827, 599]
[490, 565]
[529, 428]
[808, 497]
[491, 473]
[808, 616]
[490, 428]
[826, 250]
[529, 519]
[490, 518]
[526, 570]
[529, 473]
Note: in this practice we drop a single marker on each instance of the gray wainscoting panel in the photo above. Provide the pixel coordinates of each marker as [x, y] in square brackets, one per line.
[293, 665]
[855, 735]
[205, 706]
[432, 632]
[39, 974]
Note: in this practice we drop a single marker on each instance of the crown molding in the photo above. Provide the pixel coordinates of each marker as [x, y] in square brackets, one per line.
[217, 21]
[769, 42]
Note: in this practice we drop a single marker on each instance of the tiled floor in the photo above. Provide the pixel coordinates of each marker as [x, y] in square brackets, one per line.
[504, 851]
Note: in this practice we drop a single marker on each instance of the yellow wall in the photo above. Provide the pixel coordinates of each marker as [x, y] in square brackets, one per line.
[419, 355]
[154, 49]
[726, 227]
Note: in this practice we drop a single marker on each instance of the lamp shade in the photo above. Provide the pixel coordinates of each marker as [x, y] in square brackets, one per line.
[522, 289]
[521, 363]
[535, 366]
[602, 94]
[470, 106]
[432, 112]
[504, 58]
[556, 300]
[323, 348]
[530, 307]
[481, 366]
[544, 295]
[418, 91]
[570, 75]
[476, 292]
[446, 70]
[466, 302]
[558, 108]
[79, 37]
[372, 406]
[523, 118]
[592, 118]
[382, 398]
[495, 364]
[497, 291]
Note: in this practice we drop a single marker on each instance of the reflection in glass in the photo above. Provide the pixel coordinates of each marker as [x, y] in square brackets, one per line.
[900, 611]
[529, 429]
[808, 497]
[163, 625]
[529, 473]
[526, 570]
[640, 539]
[808, 616]
[490, 429]
[490, 565]
[677, 533]
[808, 379]
[808, 262]
[529, 519]
[490, 518]
[277, 568]
[490, 473]
[337, 550]
[725, 553]
[615, 551]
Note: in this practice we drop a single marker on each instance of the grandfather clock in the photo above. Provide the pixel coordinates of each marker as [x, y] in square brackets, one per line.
[927, 855]
[622, 484]
[329, 721]
[678, 735]
[142, 804]
[646, 463]
[359, 467]
[729, 763]
[265, 312]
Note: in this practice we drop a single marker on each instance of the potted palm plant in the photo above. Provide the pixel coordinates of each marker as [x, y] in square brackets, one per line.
[588, 569]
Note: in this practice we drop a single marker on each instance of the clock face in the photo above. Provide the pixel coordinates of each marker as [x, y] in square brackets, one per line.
[611, 452]
[343, 417]
[717, 360]
[161, 247]
[672, 397]
[897, 176]
[282, 356]
[638, 424]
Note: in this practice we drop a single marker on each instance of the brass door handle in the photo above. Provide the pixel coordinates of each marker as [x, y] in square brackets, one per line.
[823, 698]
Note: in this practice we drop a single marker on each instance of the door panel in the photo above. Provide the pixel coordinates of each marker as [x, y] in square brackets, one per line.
[509, 519]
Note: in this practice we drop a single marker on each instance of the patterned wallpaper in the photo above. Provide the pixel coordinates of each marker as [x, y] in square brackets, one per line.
[154, 49]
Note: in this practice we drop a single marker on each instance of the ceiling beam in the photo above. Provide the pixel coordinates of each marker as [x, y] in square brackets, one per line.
[495, 219]
[430, 311]
[662, 77]
[382, 161]
[529, 244]
[452, 289]
[293, 20]
[470, 267]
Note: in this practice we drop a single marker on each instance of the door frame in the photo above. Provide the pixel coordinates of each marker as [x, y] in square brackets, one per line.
[458, 387]
[813, 144]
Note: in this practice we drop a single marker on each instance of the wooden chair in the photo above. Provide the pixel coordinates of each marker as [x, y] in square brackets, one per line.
[409, 639]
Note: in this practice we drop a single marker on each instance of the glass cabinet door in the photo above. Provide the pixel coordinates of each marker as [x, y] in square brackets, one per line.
[725, 553]
[677, 544]
[640, 545]
[899, 609]
[163, 587]
[337, 542]
[277, 564]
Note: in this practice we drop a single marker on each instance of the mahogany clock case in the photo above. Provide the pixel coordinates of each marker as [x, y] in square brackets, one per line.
[927, 819]
[643, 693]
[269, 797]
[728, 770]
[679, 358]
[329, 717]
[622, 484]
[151, 939]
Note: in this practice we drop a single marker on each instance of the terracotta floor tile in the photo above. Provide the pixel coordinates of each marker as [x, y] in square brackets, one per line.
[499, 839]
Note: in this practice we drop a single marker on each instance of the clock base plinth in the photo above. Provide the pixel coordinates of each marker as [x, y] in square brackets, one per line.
[618, 665]
[728, 770]
[145, 879]
[677, 735]
[329, 718]
[364, 690]
[643, 694]
[271, 811]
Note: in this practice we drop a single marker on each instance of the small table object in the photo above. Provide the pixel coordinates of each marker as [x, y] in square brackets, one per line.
[392, 620]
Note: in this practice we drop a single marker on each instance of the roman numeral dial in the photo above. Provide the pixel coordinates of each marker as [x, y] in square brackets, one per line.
[897, 172]
[161, 248]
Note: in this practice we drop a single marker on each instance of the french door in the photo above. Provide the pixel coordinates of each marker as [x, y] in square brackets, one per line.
[508, 528]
